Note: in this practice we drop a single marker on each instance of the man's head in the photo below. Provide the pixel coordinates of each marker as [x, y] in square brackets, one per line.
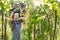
[16, 14]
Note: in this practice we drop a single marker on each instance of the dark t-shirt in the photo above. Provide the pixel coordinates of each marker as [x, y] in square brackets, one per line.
[15, 23]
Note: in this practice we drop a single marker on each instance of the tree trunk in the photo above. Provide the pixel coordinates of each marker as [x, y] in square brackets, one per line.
[2, 24]
[42, 30]
[34, 31]
[5, 27]
[54, 36]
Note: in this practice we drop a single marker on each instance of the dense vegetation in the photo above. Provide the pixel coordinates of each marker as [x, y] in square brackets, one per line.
[42, 19]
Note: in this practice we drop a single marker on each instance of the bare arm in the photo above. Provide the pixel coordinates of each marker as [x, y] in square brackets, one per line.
[11, 16]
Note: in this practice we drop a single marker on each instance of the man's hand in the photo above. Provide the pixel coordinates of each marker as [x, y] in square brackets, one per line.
[21, 18]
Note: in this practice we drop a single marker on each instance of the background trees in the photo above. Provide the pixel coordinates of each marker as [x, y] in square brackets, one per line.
[42, 19]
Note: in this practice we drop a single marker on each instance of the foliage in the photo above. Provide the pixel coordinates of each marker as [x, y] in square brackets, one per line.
[43, 21]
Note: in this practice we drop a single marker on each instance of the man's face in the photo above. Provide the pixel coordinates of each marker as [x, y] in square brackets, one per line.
[16, 15]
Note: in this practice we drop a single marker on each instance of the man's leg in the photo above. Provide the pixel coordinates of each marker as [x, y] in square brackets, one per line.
[18, 36]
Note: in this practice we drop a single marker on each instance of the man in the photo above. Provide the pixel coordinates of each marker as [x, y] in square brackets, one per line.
[16, 24]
